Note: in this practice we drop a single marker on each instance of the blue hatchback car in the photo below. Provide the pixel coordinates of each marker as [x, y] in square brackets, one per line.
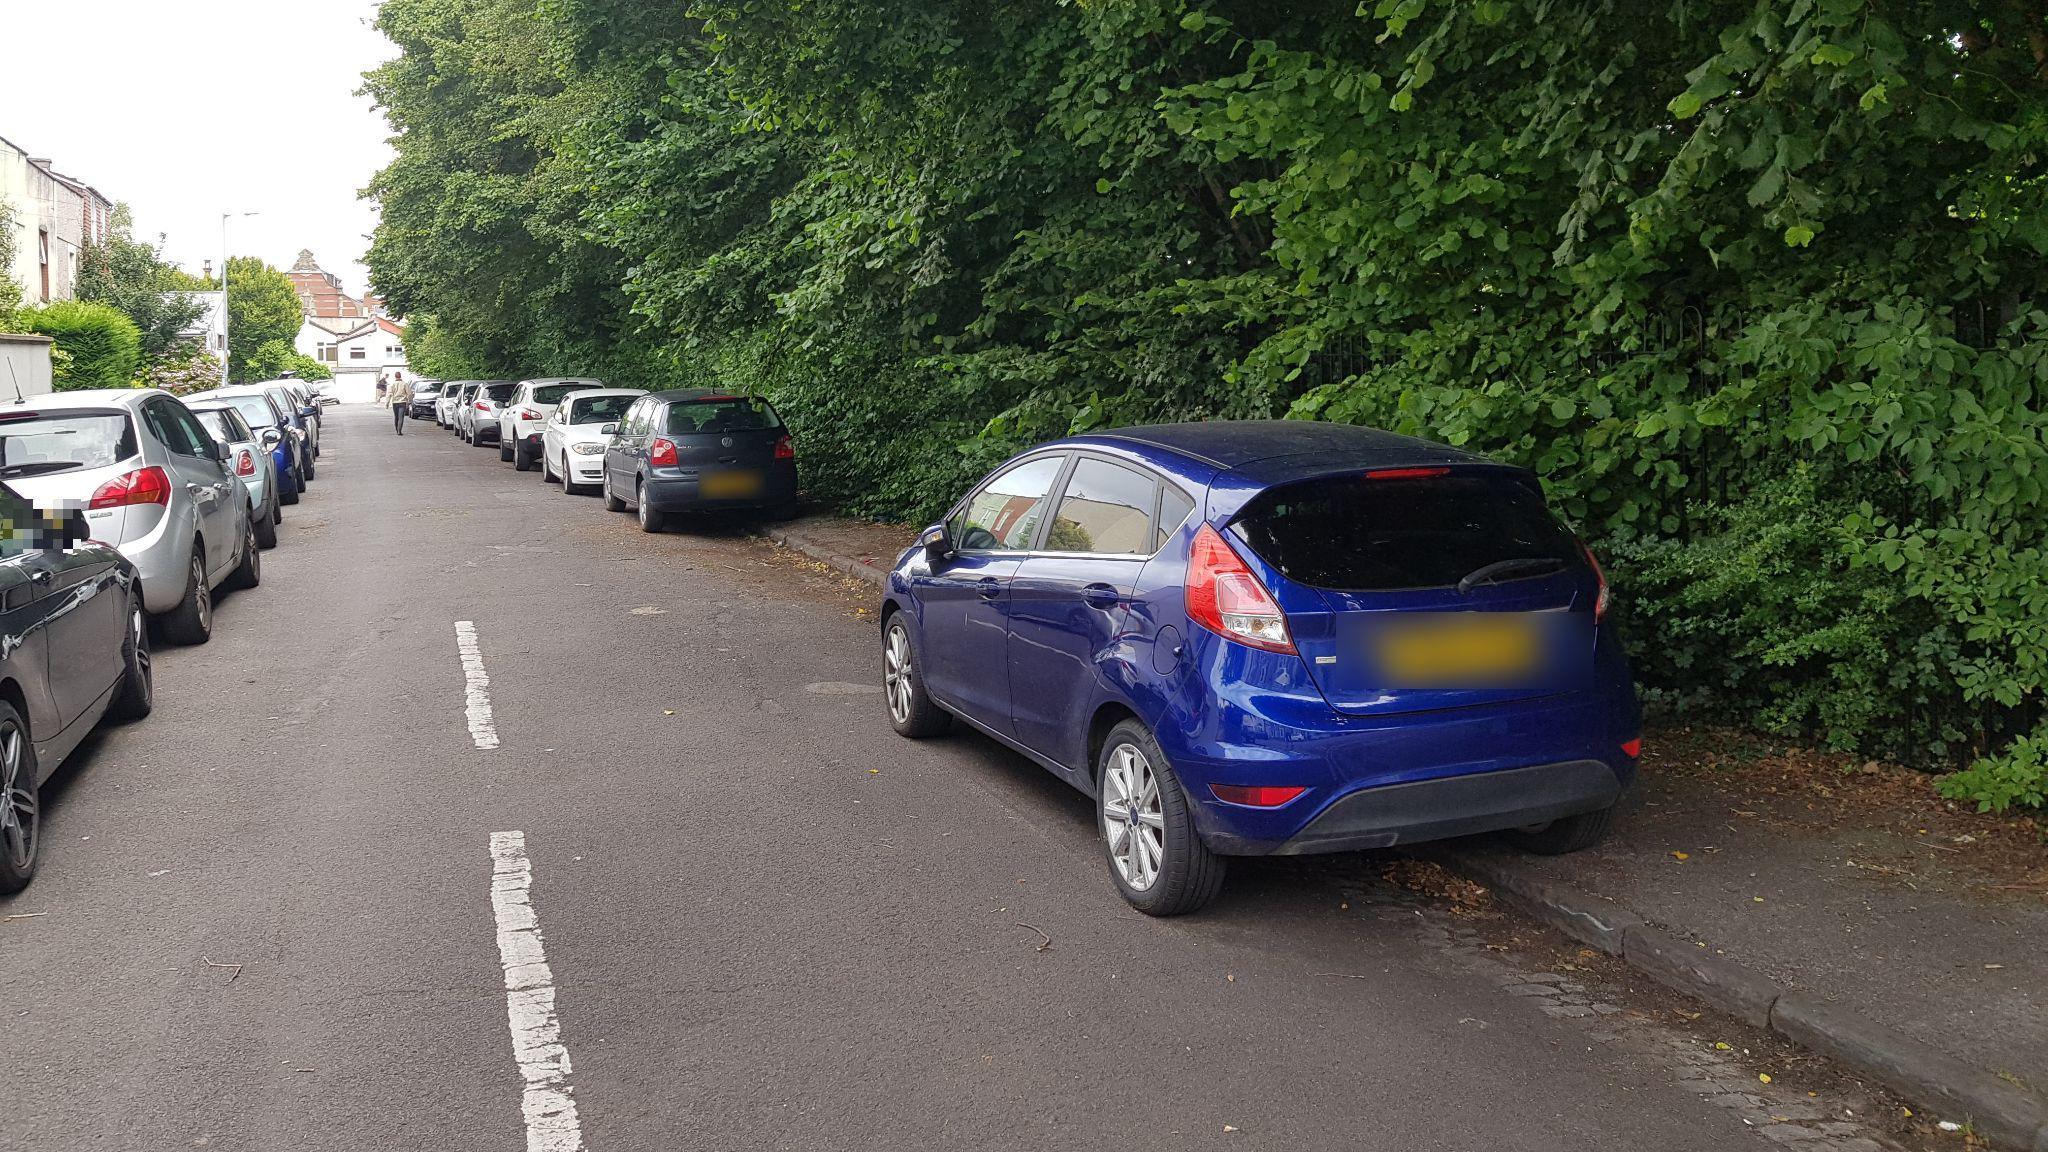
[1278, 637]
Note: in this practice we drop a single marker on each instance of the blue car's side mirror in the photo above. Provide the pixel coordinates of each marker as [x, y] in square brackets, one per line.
[309, 411]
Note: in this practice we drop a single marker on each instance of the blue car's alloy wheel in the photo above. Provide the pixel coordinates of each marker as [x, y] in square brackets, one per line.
[1156, 859]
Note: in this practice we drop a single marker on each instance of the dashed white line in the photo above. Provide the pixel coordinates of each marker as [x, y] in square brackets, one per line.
[548, 1104]
[477, 686]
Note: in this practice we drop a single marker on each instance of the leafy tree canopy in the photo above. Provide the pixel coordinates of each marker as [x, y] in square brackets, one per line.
[262, 308]
[132, 276]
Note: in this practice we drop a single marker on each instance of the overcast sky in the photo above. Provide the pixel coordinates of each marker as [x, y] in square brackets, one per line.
[130, 96]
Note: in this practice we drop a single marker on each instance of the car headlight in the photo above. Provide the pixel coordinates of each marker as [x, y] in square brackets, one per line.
[586, 449]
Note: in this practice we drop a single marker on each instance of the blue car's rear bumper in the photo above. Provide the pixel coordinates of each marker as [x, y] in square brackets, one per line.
[1373, 782]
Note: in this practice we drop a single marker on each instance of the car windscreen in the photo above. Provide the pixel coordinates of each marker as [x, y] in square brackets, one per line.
[1405, 528]
[553, 393]
[35, 443]
[721, 414]
[255, 409]
[499, 392]
[599, 409]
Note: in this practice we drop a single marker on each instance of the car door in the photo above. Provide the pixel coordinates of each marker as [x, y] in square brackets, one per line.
[84, 616]
[964, 600]
[24, 641]
[618, 451]
[195, 475]
[1069, 601]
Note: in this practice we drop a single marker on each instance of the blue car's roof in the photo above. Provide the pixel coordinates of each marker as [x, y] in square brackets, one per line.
[1235, 444]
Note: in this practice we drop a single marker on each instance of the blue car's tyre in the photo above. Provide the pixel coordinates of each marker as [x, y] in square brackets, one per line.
[1564, 834]
[288, 488]
[912, 711]
[1156, 859]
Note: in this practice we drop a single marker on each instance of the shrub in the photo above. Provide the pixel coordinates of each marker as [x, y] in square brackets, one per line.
[2019, 777]
[277, 357]
[102, 347]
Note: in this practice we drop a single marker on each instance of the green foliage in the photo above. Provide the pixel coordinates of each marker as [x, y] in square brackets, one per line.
[132, 276]
[1754, 287]
[262, 309]
[277, 357]
[100, 347]
[2017, 778]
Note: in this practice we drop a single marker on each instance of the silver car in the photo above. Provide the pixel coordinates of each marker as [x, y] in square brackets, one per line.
[477, 420]
[249, 455]
[153, 482]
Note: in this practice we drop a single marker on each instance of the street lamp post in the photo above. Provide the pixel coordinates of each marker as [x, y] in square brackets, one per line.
[224, 218]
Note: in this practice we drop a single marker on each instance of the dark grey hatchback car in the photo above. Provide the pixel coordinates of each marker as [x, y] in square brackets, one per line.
[698, 450]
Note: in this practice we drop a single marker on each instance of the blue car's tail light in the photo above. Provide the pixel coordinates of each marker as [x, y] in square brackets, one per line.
[1226, 598]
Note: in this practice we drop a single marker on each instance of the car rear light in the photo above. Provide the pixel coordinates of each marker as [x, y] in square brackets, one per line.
[1226, 598]
[663, 454]
[785, 449]
[482, 407]
[245, 464]
[530, 414]
[1255, 795]
[1601, 598]
[150, 485]
[1632, 748]
[1405, 473]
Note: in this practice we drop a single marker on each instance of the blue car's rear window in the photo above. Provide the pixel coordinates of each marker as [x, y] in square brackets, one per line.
[1362, 533]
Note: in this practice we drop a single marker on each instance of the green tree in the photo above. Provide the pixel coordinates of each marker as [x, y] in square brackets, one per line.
[262, 307]
[277, 357]
[132, 276]
[10, 290]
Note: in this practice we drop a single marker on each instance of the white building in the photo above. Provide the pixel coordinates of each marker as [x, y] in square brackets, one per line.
[372, 350]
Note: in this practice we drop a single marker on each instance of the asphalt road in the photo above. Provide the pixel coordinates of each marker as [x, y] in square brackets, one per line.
[768, 921]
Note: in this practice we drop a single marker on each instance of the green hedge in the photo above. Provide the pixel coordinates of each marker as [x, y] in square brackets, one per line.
[101, 347]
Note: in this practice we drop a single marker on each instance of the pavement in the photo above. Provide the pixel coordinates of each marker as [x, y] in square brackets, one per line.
[489, 821]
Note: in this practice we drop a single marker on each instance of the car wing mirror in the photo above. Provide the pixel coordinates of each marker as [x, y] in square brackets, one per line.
[271, 437]
[609, 430]
[220, 452]
[309, 410]
[938, 544]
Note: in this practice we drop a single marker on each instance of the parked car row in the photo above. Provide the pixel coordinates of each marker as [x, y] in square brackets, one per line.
[1237, 638]
[127, 509]
[658, 454]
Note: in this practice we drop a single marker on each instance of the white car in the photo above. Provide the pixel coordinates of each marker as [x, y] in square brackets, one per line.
[520, 420]
[573, 439]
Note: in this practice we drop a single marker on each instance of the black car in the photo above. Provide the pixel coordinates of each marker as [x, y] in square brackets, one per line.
[76, 650]
[701, 451]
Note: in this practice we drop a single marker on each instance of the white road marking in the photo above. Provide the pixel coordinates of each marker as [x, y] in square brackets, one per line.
[548, 1103]
[477, 690]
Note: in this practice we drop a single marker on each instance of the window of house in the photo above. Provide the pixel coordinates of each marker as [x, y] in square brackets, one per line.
[358, 353]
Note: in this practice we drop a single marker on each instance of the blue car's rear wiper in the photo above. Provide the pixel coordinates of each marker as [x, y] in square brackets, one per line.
[1499, 568]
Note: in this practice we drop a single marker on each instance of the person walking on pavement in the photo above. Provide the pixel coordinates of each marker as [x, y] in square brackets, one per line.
[398, 394]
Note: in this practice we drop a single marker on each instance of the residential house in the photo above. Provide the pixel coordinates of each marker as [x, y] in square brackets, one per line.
[50, 218]
[355, 338]
[208, 331]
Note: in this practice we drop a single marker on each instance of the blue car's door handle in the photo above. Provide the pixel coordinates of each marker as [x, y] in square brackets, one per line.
[989, 587]
[1100, 596]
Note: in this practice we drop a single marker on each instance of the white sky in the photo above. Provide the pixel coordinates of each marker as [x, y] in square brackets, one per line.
[128, 96]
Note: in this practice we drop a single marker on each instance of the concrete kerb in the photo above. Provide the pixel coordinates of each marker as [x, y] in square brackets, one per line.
[2003, 1113]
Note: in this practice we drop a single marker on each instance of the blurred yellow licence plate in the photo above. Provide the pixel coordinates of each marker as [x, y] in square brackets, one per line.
[1458, 648]
[723, 485]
